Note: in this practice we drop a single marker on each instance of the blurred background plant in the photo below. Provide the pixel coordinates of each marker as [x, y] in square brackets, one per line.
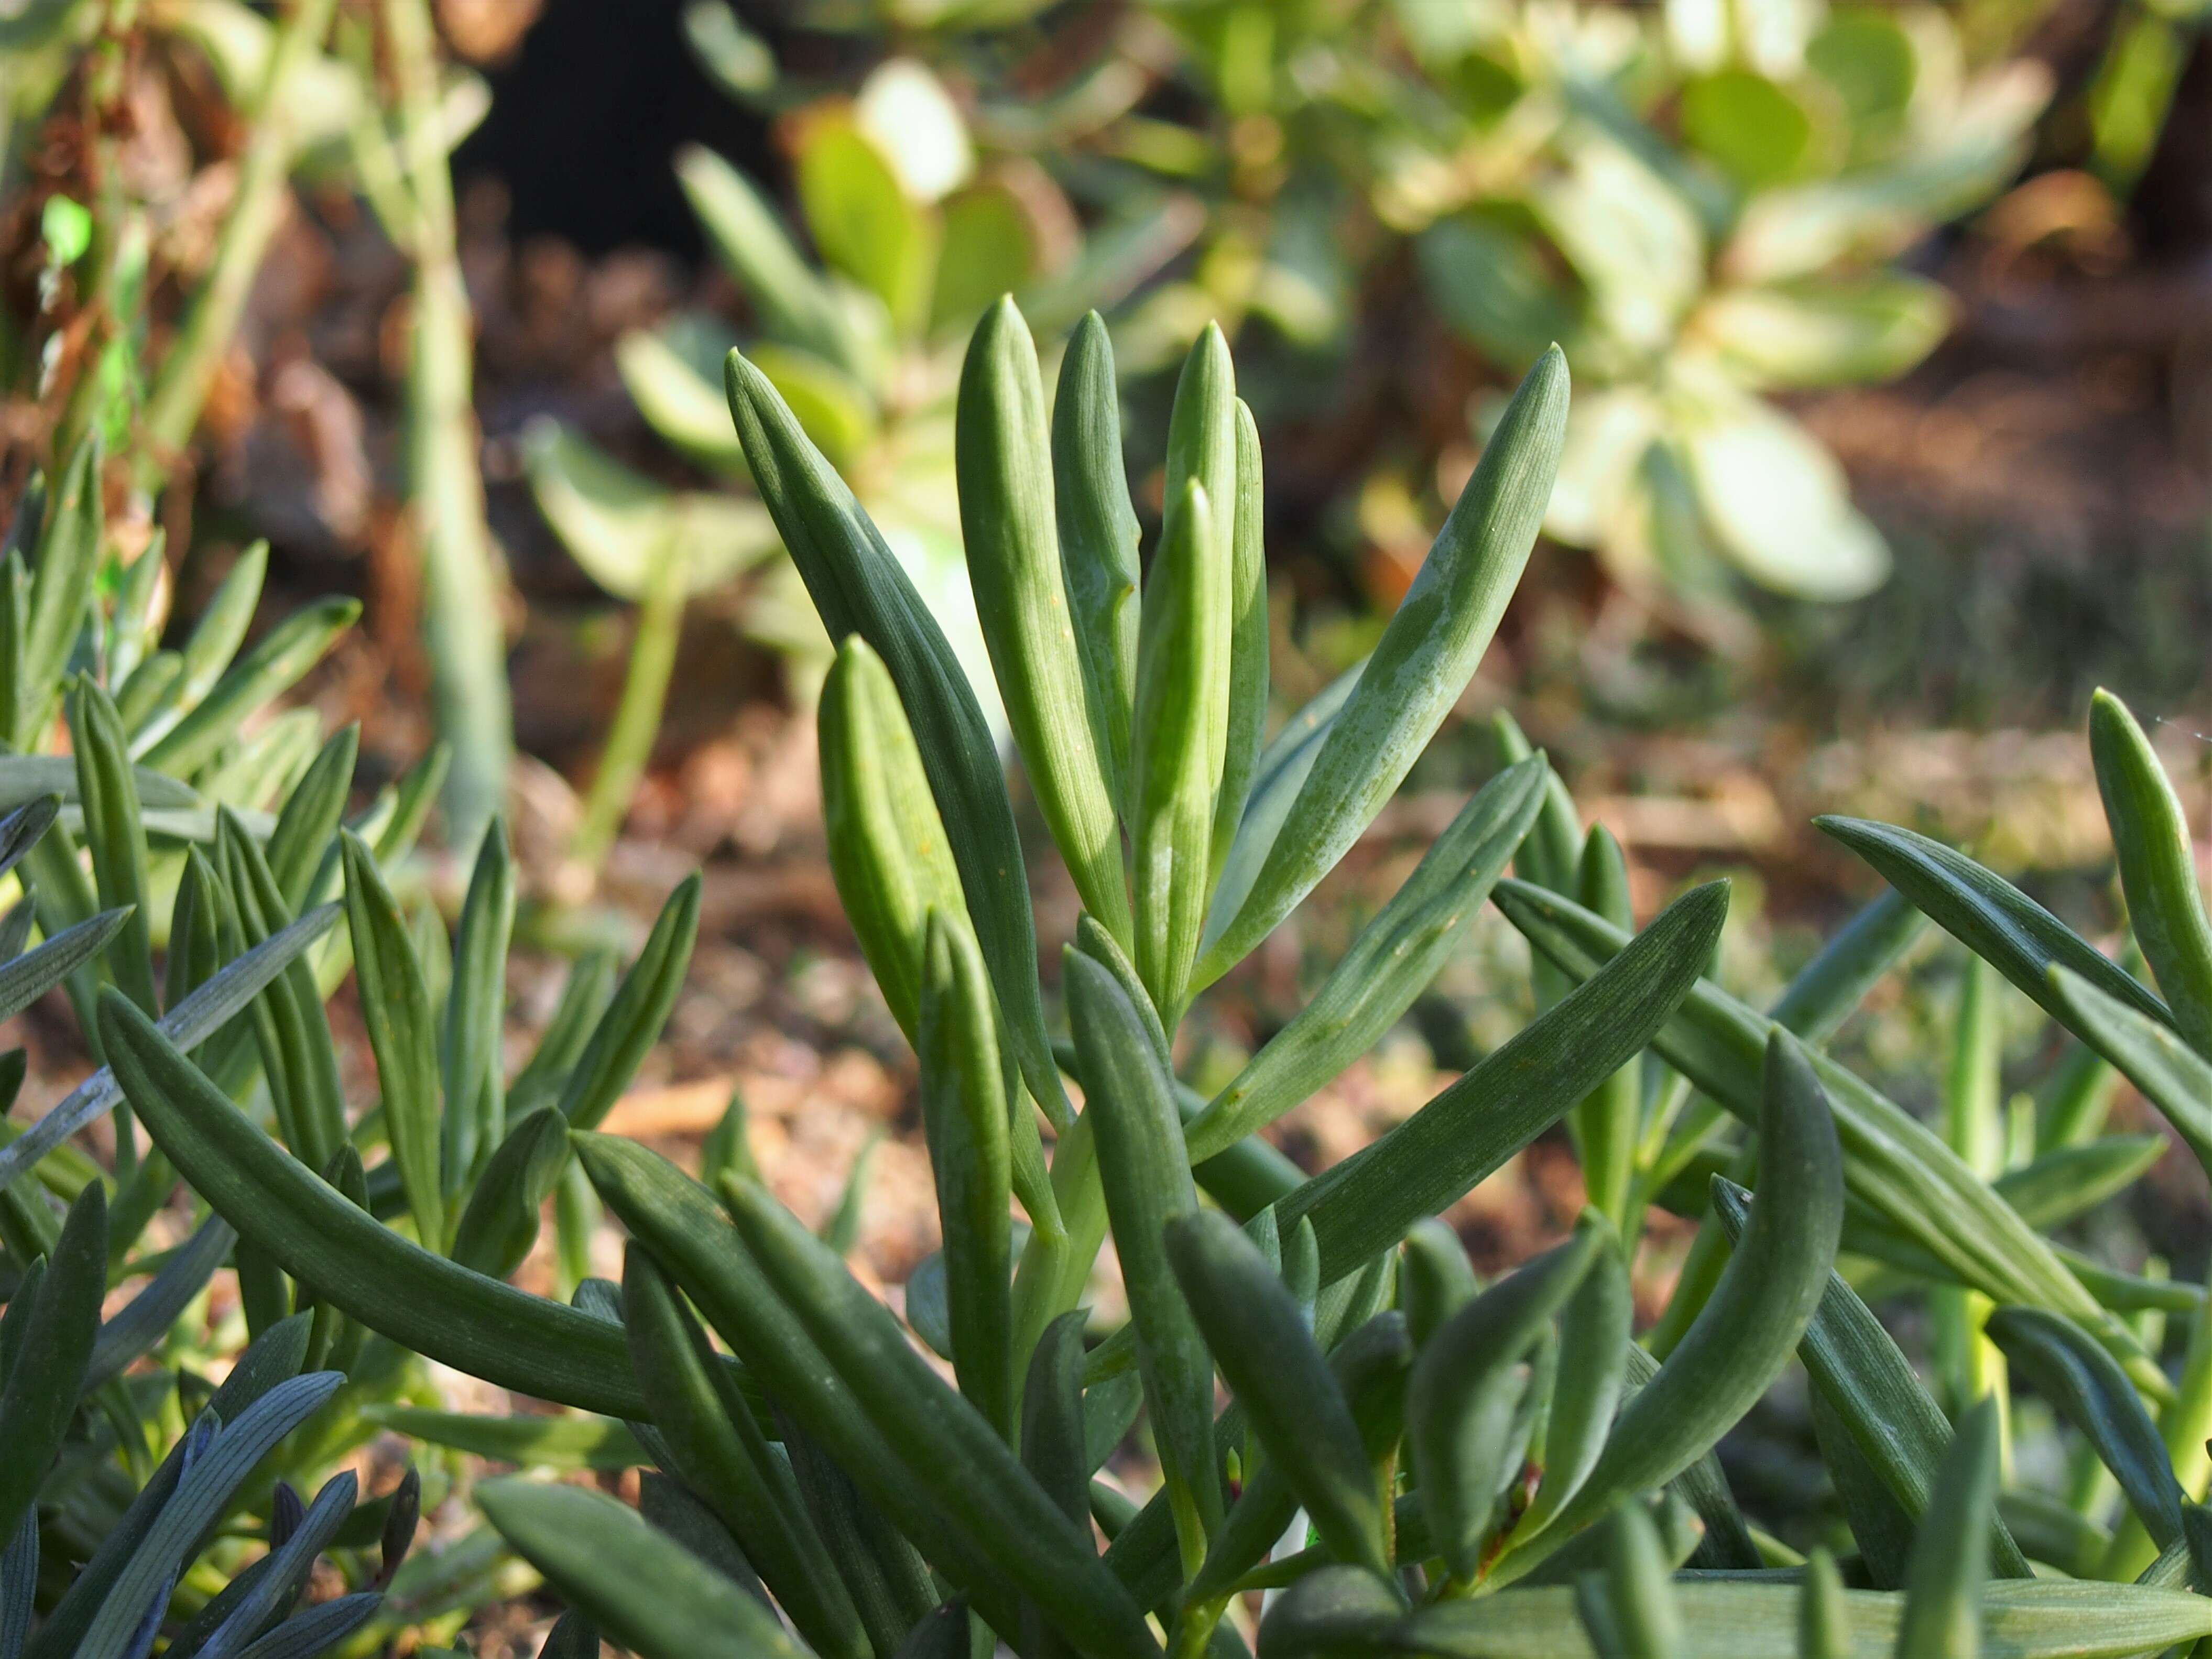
[917, 232]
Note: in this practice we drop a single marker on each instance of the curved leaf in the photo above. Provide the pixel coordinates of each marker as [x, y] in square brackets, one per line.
[1421, 666]
[1750, 1325]
[860, 587]
[1389, 965]
[642, 1587]
[1366, 1204]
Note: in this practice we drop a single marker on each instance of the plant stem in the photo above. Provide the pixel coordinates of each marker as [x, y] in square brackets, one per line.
[461, 621]
[637, 716]
[210, 323]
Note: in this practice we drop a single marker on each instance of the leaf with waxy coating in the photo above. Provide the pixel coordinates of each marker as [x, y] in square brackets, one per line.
[1146, 1176]
[1942, 1616]
[1893, 1163]
[2158, 866]
[395, 1005]
[348, 1259]
[1182, 675]
[1366, 1204]
[1871, 1387]
[1750, 1326]
[1988, 915]
[1098, 533]
[2086, 1386]
[965, 1111]
[1277, 1372]
[859, 587]
[1421, 666]
[643, 1588]
[1011, 530]
[1390, 964]
[1461, 1400]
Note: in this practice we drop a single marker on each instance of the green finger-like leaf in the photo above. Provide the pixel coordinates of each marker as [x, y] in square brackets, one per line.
[1369, 1368]
[1182, 678]
[221, 629]
[50, 1350]
[469, 1059]
[535, 1440]
[1942, 1616]
[1895, 1165]
[1988, 915]
[1753, 1321]
[888, 849]
[349, 1260]
[1278, 1373]
[1366, 1204]
[24, 779]
[300, 847]
[1435, 1277]
[1200, 609]
[2172, 1076]
[1389, 965]
[500, 1224]
[632, 1024]
[274, 665]
[1422, 663]
[692, 1240]
[61, 589]
[1461, 1401]
[859, 587]
[115, 833]
[1607, 1122]
[722, 1452]
[2086, 1386]
[1098, 533]
[1277, 777]
[1146, 1174]
[1638, 1589]
[189, 1022]
[1724, 1620]
[298, 1056]
[886, 1578]
[1330, 1611]
[1824, 1628]
[1055, 1441]
[969, 1468]
[963, 1106]
[643, 1588]
[2068, 1182]
[31, 976]
[206, 1490]
[1593, 1338]
[395, 1005]
[1008, 522]
[1248, 647]
[2158, 866]
[1857, 1368]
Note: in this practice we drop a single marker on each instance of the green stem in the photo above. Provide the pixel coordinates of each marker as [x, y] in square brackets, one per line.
[637, 716]
[210, 323]
[461, 623]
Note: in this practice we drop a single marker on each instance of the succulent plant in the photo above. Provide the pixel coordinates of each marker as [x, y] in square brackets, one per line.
[1498, 1469]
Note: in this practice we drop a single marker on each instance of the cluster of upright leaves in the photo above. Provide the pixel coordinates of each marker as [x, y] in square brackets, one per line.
[1497, 1470]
